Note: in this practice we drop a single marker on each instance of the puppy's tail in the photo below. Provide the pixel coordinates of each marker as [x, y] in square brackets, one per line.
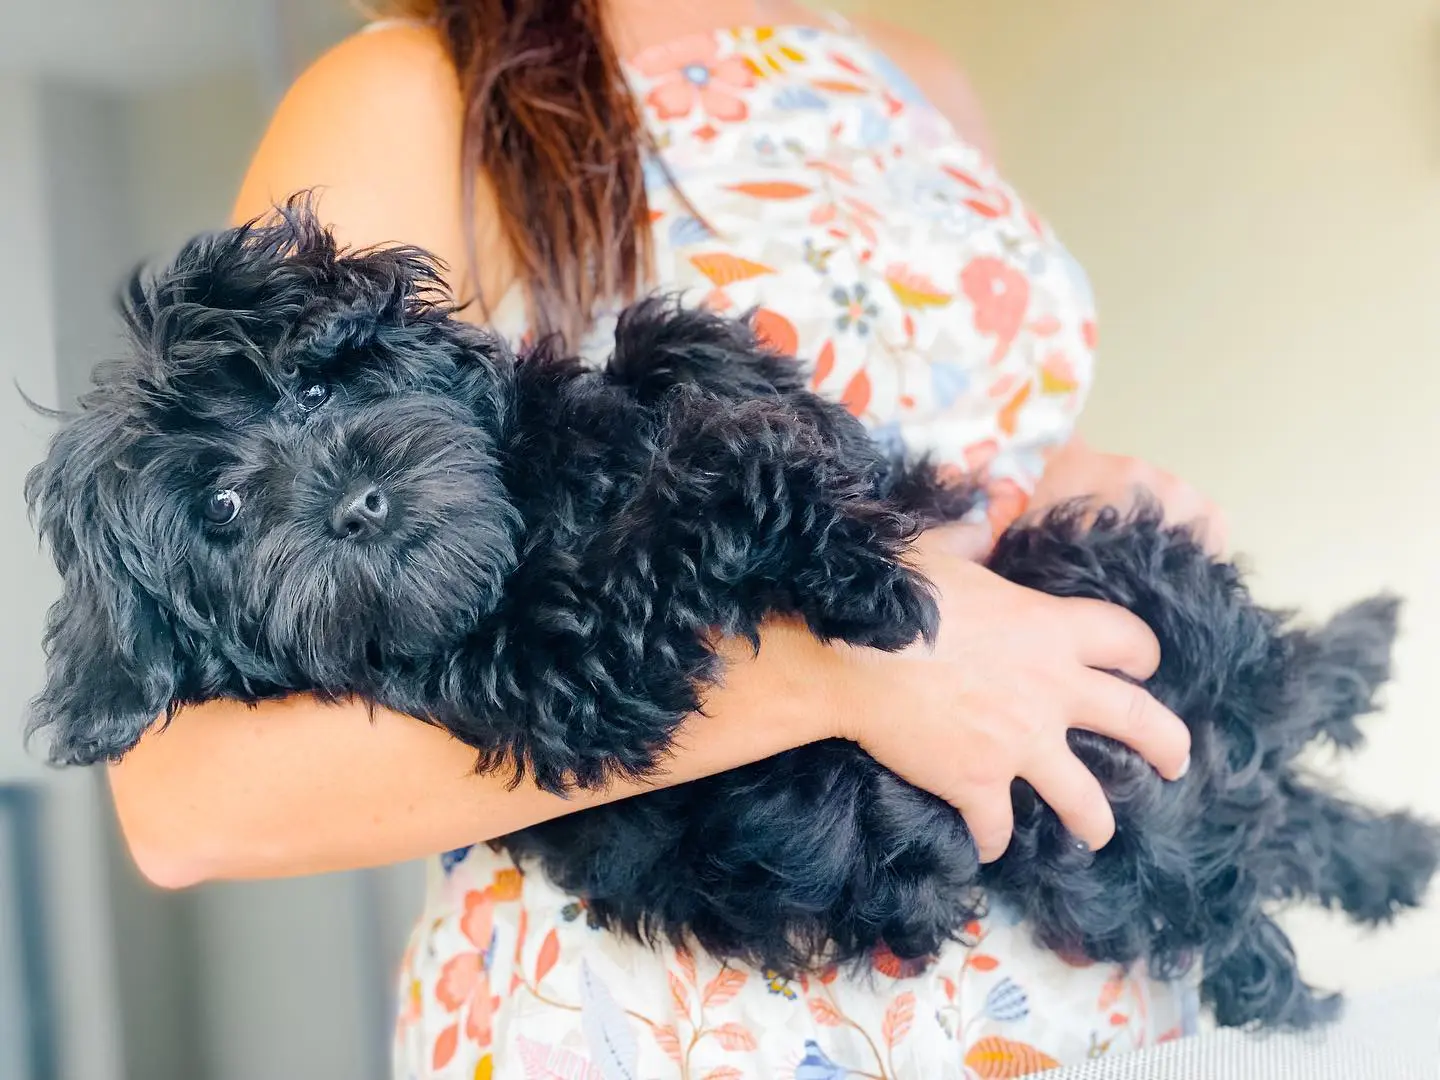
[1343, 665]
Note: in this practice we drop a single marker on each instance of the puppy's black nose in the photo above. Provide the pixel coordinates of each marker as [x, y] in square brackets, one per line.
[360, 513]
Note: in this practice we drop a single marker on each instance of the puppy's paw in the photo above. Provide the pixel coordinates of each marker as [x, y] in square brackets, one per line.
[567, 775]
[893, 610]
[1392, 871]
[1344, 664]
[1257, 981]
[534, 718]
[590, 746]
[854, 585]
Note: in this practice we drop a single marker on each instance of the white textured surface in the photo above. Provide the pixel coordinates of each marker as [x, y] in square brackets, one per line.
[1393, 1035]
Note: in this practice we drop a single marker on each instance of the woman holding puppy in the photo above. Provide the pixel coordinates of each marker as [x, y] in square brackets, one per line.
[837, 179]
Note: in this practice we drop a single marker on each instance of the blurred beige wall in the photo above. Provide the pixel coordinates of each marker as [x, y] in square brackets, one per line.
[1255, 189]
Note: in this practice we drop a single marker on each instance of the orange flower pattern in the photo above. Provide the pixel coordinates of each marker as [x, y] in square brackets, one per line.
[583, 1003]
[690, 76]
[819, 186]
[822, 193]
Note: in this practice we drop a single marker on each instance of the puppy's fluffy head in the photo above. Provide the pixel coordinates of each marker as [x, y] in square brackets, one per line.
[301, 448]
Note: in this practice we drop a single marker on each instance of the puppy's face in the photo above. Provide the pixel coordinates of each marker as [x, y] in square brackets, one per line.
[294, 478]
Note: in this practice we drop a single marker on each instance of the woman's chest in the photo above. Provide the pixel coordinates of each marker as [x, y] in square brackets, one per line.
[798, 175]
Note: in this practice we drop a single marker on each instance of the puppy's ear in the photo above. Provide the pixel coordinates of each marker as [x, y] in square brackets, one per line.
[283, 284]
[111, 666]
[373, 295]
[109, 672]
[347, 298]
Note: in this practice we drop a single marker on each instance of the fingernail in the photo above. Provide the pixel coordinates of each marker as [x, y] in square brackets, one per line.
[1184, 768]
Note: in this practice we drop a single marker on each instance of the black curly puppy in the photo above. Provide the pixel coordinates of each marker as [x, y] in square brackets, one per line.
[309, 477]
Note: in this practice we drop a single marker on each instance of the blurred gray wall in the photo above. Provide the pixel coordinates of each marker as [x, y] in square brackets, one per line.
[77, 931]
[108, 161]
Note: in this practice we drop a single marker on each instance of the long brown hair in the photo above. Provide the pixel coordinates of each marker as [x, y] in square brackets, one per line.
[551, 125]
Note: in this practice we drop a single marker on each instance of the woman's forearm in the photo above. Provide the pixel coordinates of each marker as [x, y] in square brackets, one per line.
[298, 787]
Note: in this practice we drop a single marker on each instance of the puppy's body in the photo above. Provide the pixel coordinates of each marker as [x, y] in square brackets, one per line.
[534, 556]
[658, 508]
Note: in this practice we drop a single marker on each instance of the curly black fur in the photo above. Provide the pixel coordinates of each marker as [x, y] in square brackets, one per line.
[820, 853]
[535, 556]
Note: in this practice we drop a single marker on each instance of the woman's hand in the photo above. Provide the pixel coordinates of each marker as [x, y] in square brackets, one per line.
[1077, 471]
[1013, 670]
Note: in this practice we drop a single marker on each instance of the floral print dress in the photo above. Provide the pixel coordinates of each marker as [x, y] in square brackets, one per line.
[823, 192]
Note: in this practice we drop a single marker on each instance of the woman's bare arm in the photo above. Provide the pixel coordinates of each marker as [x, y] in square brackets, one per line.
[373, 127]
[299, 787]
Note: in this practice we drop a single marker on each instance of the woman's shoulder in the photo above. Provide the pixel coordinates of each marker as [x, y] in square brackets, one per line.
[937, 73]
[389, 82]
[373, 126]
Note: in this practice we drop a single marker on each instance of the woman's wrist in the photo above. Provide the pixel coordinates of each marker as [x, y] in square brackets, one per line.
[803, 689]
[798, 687]
[968, 540]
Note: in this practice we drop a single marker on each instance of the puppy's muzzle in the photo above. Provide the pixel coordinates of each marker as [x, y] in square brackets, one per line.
[361, 513]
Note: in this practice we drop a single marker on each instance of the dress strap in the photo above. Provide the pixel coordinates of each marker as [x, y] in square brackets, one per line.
[389, 23]
[839, 23]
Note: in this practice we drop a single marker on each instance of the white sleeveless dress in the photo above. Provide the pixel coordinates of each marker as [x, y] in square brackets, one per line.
[879, 245]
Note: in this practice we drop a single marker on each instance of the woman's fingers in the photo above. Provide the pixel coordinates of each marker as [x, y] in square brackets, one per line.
[1214, 530]
[1071, 790]
[1127, 713]
[990, 817]
[1110, 638]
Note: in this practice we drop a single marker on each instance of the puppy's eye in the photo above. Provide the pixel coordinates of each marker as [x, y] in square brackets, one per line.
[313, 395]
[222, 507]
